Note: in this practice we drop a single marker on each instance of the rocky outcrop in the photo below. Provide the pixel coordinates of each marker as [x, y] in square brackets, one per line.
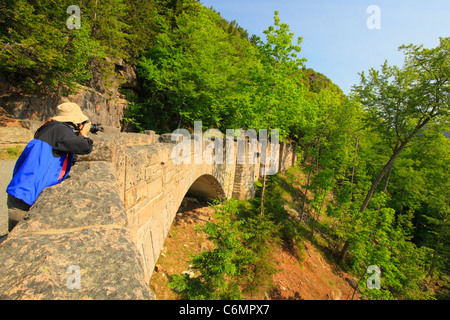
[15, 132]
[100, 100]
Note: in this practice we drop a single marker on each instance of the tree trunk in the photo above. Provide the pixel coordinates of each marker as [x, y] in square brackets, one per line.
[341, 254]
[386, 182]
[318, 154]
[263, 191]
[313, 229]
[309, 177]
[380, 176]
[354, 165]
[388, 176]
[422, 122]
[433, 261]
[306, 193]
[357, 284]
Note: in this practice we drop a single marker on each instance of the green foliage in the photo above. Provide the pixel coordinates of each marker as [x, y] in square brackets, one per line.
[219, 268]
[11, 153]
[382, 242]
[317, 82]
[376, 161]
[265, 232]
[289, 230]
[199, 70]
[389, 232]
[192, 73]
[277, 94]
[400, 102]
[39, 52]
[240, 259]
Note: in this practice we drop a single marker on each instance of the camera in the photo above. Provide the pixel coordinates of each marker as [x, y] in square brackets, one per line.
[95, 127]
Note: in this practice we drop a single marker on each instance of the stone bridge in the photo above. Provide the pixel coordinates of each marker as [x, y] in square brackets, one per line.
[99, 233]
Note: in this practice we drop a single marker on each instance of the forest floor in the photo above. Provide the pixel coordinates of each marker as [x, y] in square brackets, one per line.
[308, 276]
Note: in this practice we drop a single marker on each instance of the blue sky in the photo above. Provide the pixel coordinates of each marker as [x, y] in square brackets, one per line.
[336, 39]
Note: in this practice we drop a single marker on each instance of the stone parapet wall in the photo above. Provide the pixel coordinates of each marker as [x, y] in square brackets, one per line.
[110, 218]
[79, 223]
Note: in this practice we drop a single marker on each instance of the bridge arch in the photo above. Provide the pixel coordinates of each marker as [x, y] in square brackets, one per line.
[206, 187]
[154, 189]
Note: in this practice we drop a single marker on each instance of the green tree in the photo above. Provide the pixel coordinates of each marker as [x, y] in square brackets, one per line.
[219, 269]
[193, 73]
[381, 241]
[39, 53]
[278, 94]
[427, 197]
[400, 102]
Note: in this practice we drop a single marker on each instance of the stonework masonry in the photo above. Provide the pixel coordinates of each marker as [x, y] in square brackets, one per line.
[110, 218]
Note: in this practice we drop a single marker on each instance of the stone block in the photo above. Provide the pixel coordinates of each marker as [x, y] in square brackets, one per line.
[107, 148]
[136, 160]
[151, 171]
[153, 156]
[135, 195]
[156, 229]
[109, 131]
[88, 197]
[166, 177]
[166, 138]
[152, 135]
[151, 209]
[147, 252]
[154, 188]
[39, 266]
[165, 151]
[168, 166]
[137, 139]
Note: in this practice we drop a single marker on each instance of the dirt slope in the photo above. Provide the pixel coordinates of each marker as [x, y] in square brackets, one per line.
[310, 278]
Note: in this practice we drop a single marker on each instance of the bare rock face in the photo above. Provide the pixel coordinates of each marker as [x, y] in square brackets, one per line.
[29, 106]
[12, 135]
[100, 108]
[101, 100]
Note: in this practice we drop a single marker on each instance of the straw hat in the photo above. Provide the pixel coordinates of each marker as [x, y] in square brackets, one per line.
[69, 112]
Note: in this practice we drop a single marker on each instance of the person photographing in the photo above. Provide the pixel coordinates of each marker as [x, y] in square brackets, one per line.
[47, 159]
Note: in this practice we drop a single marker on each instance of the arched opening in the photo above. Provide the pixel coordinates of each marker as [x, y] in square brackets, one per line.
[206, 187]
[185, 237]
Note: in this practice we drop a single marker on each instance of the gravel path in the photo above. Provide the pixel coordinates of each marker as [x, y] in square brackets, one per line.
[6, 169]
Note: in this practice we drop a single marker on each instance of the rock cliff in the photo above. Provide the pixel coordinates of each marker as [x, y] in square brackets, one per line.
[100, 99]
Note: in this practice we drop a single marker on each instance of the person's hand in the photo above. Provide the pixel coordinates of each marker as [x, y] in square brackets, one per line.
[84, 130]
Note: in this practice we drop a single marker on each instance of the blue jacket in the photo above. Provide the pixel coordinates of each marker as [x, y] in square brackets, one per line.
[46, 160]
